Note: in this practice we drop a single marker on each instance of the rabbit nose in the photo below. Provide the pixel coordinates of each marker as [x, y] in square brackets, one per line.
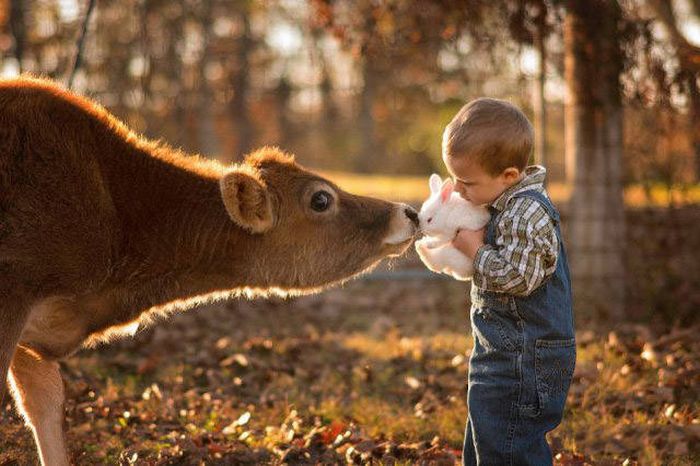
[411, 214]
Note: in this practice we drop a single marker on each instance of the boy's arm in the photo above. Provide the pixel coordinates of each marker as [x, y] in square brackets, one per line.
[525, 254]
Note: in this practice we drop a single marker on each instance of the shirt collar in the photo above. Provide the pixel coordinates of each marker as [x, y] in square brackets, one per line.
[533, 178]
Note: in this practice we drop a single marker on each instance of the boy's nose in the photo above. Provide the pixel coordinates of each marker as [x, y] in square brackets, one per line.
[411, 214]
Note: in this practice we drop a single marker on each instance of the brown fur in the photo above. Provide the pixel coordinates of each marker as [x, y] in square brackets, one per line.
[100, 229]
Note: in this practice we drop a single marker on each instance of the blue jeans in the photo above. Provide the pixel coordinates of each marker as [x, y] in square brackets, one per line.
[518, 381]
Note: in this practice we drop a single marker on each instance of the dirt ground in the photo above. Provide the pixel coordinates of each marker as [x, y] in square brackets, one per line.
[373, 372]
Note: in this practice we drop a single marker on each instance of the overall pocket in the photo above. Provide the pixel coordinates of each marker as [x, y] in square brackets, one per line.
[554, 368]
[494, 322]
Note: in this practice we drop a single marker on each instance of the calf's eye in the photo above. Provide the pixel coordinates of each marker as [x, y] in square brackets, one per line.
[321, 201]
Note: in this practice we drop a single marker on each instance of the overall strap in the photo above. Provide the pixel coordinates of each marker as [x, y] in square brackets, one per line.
[491, 226]
[543, 201]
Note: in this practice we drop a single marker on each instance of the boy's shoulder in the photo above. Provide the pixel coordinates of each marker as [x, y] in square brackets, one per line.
[531, 205]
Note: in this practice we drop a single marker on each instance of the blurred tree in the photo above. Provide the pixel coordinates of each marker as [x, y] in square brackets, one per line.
[282, 94]
[330, 109]
[157, 63]
[174, 69]
[371, 147]
[397, 47]
[238, 71]
[594, 153]
[5, 33]
[540, 104]
[81, 42]
[18, 29]
[208, 141]
[530, 24]
[363, 19]
[689, 64]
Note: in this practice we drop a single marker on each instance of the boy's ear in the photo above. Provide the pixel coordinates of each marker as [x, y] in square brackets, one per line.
[435, 183]
[446, 190]
[247, 200]
[511, 174]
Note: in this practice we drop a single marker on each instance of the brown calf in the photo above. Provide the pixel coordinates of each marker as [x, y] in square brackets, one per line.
[101, 229]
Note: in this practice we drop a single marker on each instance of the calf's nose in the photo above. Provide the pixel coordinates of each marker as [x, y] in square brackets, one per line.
[411, 214]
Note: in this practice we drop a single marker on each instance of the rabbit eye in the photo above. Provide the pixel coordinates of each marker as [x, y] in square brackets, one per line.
[430, 219]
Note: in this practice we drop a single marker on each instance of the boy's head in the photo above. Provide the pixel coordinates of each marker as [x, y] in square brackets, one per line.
[486, 147]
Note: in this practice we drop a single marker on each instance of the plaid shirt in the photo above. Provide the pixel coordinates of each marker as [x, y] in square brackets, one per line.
[526, 241]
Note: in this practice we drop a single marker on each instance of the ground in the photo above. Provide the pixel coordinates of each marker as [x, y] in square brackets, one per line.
[372, 372]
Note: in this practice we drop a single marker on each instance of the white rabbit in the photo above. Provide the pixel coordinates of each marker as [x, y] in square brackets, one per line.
[441, 215]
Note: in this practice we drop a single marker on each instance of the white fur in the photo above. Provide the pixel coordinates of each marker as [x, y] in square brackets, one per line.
[441, 216]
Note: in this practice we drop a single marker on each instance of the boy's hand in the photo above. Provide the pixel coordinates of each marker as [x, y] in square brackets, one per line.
[468, 242]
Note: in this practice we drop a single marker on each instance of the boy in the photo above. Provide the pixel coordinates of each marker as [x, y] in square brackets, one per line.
[521, 315]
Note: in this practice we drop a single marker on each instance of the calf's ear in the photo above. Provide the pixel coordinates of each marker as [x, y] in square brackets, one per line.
[247, 200]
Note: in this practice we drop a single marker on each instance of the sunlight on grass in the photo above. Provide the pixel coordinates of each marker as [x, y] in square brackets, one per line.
[392, 371]
[618, 405]
[414, 189]
[393, 345]
[380, 418]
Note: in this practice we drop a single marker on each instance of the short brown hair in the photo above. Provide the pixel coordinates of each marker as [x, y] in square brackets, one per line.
[495, 133]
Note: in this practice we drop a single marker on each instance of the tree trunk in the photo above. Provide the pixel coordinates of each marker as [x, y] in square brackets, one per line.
[19, 30]
[370, 149]
[330, 111]
[688, 56]
[207, 140]
[695, 121]
[175, 73]
[283, 92]
[593, 64]
[240, 84]
[540, 106]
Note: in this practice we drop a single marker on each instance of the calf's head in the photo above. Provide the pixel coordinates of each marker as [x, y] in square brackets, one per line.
[302, 231]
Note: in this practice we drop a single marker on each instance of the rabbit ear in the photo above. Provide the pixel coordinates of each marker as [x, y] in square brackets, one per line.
[446, 190]
[435, 183]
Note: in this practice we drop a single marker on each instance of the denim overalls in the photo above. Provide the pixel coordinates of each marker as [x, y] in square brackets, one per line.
[521, 365]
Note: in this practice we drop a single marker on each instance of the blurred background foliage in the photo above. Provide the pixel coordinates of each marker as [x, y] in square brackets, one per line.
[366, 87]
[351, 85]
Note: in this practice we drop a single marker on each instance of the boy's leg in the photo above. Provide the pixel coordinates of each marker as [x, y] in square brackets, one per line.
[529, 443]
[504, 431]
[493, 415]
[468, 453]
[513, 400]
[548, 380]
[492, 397]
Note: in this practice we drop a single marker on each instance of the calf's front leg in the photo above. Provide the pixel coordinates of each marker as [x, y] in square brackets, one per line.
[37, 388]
